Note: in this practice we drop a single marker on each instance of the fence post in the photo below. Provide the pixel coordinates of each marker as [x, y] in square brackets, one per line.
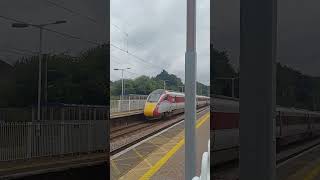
[129, 103]
[62, 132]
[119, 105]
[89, 136]
[51, 113]
[29, 141]
[32, 113]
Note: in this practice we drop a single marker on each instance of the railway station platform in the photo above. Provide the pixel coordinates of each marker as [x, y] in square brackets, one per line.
[161, 156]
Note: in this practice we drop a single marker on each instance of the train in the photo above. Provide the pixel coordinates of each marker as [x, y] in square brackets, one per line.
[163, 103]
[292, 125]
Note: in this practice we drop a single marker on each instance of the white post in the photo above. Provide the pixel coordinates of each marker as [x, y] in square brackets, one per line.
[29, 143]
[190, 91]
[119, 105]
[62, 129]
[129, 102]
[122, 91]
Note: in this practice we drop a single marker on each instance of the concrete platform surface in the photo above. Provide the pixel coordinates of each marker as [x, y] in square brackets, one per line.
[161, 156]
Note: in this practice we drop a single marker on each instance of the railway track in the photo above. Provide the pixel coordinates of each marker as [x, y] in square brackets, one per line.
[127, 136]
[300, 151]
[129, 130]
[229, 170]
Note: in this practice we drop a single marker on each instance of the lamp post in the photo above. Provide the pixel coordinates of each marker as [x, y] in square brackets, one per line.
[122, 83]
[190, 91]
[41, 27]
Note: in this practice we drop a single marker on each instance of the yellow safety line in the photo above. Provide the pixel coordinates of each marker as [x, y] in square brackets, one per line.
[202, 120]
[113, 164]
[166, 157]
[134, 149]
[315, 171]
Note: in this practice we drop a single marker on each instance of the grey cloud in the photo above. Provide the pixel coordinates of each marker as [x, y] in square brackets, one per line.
[298, 32]
[157, 34]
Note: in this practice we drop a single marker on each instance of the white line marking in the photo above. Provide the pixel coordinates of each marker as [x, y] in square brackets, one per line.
[143, 141]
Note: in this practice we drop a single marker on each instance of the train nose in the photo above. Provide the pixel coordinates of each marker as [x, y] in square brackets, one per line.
[149, 108]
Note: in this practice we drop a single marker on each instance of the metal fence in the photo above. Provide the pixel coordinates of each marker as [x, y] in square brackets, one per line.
[130, 97]
[73, 112]
[25, 140]
[15, 114]
[60, 111]
[117, 106]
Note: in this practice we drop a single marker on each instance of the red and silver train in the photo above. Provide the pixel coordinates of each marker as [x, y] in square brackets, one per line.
[292, 125]
[162, 103]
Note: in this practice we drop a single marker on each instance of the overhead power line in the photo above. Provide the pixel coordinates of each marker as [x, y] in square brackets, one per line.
[54, 31]
[121, 60]
[138, 58]
[14, 52]
[119, 29]
[72, 36]
[71, 11]
[22, 50]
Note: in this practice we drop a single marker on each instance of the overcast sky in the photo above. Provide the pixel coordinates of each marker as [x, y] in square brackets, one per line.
[157, 34]
[298, 32]
[86, 20]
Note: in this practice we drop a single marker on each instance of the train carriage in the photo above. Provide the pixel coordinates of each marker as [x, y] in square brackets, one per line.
[162, 103]
[291, 125]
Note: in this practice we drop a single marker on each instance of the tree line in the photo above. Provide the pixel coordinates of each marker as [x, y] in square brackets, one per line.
[293, 88]
[144, 85]
[80, 79]
[84, 79]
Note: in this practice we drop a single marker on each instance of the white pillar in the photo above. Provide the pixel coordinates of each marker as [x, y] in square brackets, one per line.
[190, 91]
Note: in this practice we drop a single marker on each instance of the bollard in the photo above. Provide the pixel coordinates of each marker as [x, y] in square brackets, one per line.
[205, 165]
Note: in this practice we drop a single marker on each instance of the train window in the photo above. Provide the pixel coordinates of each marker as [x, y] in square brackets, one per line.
[154, 97]
[165, 98]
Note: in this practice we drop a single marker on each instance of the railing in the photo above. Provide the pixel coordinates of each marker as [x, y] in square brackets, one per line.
[26, 140]
[127, 103]
[117, 106]
[15, 114]
[205, 166]
[130, 97]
